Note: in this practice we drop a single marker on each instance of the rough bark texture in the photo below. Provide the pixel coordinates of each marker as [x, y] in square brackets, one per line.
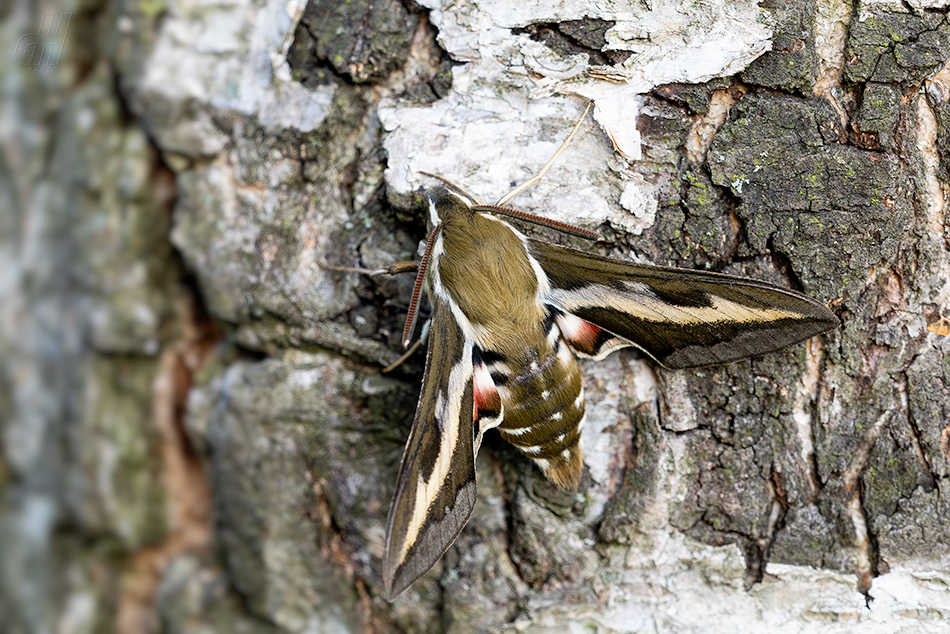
[195, 433]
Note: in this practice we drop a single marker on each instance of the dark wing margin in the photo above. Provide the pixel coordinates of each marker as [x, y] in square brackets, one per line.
[435, 489]
[680, 317]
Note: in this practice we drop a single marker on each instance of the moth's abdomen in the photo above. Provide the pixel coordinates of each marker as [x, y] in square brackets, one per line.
[543, 403]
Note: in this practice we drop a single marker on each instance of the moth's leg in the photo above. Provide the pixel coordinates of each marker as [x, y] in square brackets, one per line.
[531, 182]
[403, 267]
[423, 337]
[395, 269]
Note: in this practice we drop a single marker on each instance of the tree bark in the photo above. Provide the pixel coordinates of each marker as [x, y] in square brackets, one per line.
[198, 435]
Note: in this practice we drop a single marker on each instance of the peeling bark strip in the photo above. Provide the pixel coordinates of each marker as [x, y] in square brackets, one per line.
[220, 151]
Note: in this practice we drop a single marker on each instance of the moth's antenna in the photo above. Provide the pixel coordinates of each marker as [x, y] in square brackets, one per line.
[531, 182]
[417, 288]
[541, 221]
[451, 185]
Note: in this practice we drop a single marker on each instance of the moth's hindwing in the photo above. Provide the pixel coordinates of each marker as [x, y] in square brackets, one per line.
[682, 318]
[489, 409]
[435, 489]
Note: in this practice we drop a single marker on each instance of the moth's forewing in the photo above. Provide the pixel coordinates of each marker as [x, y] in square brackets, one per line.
[682, 318]
[435, 489]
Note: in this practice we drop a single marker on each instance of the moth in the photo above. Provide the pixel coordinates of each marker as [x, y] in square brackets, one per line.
[510, 315]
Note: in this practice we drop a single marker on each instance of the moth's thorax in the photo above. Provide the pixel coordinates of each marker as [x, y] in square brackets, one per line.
[484, 266]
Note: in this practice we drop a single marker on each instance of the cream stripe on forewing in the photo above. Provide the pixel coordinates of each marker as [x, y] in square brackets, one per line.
[642, 303]
[447, 413]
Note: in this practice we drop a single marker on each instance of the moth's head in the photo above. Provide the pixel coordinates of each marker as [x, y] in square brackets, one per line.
[446, 205]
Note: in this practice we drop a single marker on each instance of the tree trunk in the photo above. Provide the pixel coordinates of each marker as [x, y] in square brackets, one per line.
[198, 435]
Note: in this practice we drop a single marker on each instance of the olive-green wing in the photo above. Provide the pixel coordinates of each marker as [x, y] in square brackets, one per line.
[680, 317]
[435, 490]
